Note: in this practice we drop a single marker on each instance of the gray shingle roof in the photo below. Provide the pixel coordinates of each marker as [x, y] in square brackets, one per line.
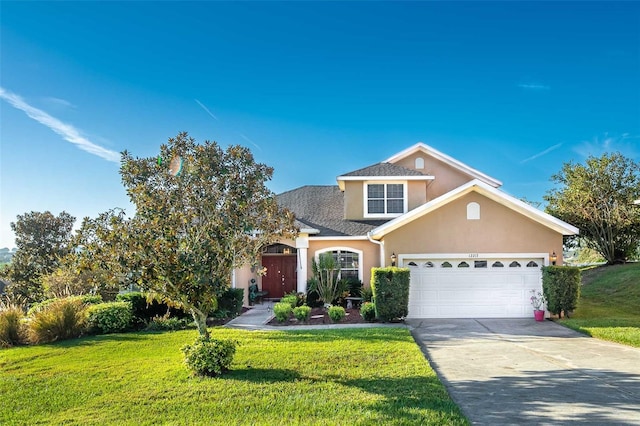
[384, 169]
[322, 208]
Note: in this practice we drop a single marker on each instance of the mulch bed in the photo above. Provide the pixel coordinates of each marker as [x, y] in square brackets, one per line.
[322, 317]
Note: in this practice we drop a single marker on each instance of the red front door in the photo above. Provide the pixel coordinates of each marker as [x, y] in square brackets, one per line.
[281, 274]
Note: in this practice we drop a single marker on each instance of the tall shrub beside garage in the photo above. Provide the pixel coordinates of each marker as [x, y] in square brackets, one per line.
[561, 288]
[390, 292]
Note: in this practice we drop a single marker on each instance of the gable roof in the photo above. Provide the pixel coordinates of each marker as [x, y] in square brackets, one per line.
[445, 159]
[382, 171]
[486, 190]
[319, 210]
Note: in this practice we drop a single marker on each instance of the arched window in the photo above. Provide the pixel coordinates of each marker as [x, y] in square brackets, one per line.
[428, 264]
[419, 163]
[473, 211]
[532, 264]
[446, 265]
[497, 264]
[514, 264]
[463, 264]
[412, 264]
[348, 259]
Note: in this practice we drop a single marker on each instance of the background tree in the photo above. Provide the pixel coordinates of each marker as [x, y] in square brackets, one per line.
[597, 197]
[200, 212]
[42, 240]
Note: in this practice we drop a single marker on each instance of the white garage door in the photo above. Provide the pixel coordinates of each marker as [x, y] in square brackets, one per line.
[473, 288]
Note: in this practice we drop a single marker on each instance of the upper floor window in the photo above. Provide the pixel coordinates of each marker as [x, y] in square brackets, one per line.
[419, 163]
[385, 199]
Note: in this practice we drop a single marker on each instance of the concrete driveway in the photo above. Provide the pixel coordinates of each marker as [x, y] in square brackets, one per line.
[518, 371]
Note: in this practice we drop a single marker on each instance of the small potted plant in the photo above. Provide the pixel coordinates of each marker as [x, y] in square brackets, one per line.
[538, 301]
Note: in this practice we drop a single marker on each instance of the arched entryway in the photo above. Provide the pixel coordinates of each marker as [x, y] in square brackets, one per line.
[281, 262]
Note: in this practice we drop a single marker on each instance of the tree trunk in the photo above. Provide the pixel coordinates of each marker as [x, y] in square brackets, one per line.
[200, 318]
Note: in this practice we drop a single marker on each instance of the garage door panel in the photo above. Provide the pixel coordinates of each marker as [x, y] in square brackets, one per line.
[491, 292]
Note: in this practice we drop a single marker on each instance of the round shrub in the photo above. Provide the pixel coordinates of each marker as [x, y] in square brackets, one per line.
[368, 311]
[302, 313]
[291, 299]
[111, 317]
[282, 311]
[336, 313]
[209, 357]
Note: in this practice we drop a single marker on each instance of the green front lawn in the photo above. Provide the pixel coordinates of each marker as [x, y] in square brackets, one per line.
[348, 376]
[609, 305]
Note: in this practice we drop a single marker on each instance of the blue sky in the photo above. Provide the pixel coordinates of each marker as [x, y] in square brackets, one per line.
[315, 89]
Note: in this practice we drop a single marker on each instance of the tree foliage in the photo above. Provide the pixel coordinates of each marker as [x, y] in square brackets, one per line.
[597, 197]
[42, 240]
[201, 211]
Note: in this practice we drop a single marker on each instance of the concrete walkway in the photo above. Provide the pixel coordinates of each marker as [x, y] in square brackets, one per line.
[518, 371]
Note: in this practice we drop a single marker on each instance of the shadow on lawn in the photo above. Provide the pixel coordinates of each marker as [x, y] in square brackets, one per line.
[410, 400]
[262, 375]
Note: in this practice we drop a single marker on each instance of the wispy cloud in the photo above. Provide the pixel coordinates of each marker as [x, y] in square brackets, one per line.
[541, 153]
[206, 109]
[67, 131]
[534, 86]
[626, 144]
[249, 140]
[59, 102]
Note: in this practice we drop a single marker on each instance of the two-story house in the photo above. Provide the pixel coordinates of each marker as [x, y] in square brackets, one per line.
[473, 250]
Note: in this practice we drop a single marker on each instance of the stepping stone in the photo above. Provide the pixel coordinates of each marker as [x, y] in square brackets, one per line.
[317, 316]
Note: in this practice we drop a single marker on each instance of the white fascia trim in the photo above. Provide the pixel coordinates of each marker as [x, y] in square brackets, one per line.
[473, 256]
[339, 238]
[420, 146]
[342, 179]
[488, 191]
[309, 231]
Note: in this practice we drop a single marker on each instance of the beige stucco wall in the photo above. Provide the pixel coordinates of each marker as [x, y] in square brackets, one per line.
[499, 230]
[370, 254]
[446, 177]
[353, 200]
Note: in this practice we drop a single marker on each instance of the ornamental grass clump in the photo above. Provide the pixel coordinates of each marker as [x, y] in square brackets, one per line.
[61, 319]
[11, 327]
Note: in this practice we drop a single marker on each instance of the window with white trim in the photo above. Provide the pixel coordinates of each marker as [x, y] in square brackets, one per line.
[385, 199]
[348, 262]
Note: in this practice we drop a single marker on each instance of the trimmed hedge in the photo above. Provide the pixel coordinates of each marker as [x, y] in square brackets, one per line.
[336, 313]
[144, 311]
[231, 301]
[110, 317]
[390, 292]
[561, 288]
[368, 311]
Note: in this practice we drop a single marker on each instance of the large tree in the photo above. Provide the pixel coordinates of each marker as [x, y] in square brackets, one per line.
[201, 211]
[598, 197]
[42, 240]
